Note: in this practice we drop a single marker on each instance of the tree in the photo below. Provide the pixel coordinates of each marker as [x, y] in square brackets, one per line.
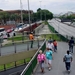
[4, 16]
[39, 9]
[45, 14]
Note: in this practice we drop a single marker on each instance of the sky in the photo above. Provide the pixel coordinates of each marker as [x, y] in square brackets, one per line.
[54, 6]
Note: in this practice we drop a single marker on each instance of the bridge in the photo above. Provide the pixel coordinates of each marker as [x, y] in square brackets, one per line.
[58, 66]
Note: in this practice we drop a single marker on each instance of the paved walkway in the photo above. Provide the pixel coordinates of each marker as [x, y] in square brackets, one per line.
[44, 30]
[58, 66]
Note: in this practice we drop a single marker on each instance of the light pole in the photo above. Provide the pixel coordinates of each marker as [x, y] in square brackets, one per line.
[40, 11]
[21, 11]
[45, 13]
[29, 16]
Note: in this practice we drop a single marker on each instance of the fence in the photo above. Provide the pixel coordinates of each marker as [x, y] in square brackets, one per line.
[13, 59]
[31, 65]
[19, 46]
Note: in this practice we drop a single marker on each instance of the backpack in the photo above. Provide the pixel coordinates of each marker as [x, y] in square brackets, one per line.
[64, 59]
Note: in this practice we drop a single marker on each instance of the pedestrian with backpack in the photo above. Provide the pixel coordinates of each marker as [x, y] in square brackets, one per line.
[67, 59]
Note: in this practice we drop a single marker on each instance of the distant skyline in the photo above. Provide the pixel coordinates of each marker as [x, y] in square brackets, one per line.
[55, 6]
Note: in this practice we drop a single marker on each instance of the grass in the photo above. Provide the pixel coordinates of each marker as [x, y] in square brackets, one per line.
[18, 38]
[12, 64]
[54, 36]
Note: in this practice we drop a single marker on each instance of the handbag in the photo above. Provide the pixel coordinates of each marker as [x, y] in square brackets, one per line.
[64, 59]
[42, 61]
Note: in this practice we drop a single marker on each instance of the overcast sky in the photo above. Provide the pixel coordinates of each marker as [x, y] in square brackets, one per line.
[55, 6]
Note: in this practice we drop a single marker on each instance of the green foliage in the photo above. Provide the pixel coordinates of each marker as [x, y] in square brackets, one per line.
[39, 9]
[18, 38]
[12, 64]
[54, 36]
[70, 17]
[45, 14]
[36, 16]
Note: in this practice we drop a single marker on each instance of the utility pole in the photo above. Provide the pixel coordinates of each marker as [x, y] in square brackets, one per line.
[45, 13]
[40, 11]
[29, 16]
[21, 11]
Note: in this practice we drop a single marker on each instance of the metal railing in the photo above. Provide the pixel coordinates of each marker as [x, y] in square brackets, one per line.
[61, 36]
[20, 46]
[33, 62]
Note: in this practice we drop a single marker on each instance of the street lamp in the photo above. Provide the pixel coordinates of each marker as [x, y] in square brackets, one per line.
[45, 13]
[21, 11]
[29, 15]
[40, 11]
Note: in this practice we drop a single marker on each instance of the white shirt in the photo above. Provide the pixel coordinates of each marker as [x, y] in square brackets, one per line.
[50, 45]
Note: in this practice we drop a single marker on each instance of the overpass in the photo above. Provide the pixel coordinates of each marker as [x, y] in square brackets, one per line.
[58, 65]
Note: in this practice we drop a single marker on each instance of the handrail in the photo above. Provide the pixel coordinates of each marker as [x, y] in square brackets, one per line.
[24, 71]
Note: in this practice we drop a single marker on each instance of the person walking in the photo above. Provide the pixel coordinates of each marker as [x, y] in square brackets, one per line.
[50, 39]
[31, 37]
[55, 45]
[49, 57]
[67, 59]
[71, 44]
[41, 59]
[50, 45]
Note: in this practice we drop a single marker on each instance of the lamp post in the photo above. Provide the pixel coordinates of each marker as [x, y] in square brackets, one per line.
[45, 13]
[29, 16]
[40, 11]
[21, 11]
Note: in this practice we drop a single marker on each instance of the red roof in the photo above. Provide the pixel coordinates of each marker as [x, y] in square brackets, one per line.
[7, 26]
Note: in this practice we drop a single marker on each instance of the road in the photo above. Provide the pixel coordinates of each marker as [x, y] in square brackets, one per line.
[18, 47]
[58, 66]
[63, 29]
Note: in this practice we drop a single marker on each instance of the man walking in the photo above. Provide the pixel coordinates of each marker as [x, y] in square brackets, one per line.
[68, 59]
[31, 37]
[71, 44]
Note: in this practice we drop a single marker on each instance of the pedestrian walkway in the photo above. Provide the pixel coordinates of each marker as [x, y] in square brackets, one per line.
[58, 66]
[44, 30]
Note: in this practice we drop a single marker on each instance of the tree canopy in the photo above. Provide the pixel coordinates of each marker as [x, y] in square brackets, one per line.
[36, 16]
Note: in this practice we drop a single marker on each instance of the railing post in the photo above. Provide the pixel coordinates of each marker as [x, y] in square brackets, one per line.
[0, 49]
[24, 61]
[15, 63]
[28, 45]
[4, 67]
[38, 41]
[23, 37]
[12, 40]
[15, 47]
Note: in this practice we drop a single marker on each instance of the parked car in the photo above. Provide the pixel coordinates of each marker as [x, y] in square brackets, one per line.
[9, 30]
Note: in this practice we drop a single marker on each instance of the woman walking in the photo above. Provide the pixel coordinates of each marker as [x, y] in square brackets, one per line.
[41, 59]
[49, 57]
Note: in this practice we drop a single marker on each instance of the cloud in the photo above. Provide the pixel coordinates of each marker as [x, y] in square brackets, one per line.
[55, 6]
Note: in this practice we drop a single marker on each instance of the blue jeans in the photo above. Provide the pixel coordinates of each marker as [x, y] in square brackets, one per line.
[71, 49]
[67, 65]
[55, 48]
